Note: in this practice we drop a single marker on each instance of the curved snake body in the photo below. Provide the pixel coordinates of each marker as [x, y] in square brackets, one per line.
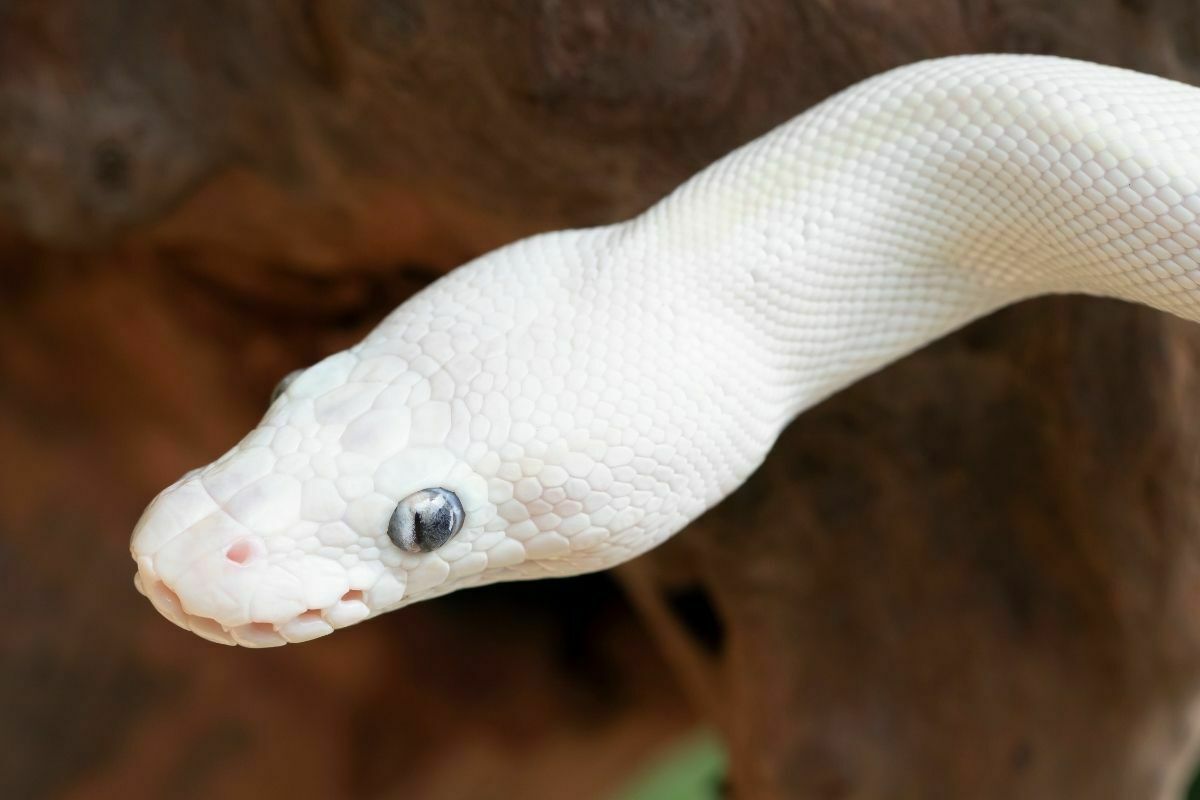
[585, 394]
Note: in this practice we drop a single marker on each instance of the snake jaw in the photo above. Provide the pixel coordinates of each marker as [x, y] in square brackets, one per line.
[310, 624]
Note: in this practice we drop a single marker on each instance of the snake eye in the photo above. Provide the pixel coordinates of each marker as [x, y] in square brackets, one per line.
[282, 386]
[425, 520]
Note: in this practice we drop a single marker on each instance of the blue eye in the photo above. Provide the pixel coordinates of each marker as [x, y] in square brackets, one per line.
[425, 520]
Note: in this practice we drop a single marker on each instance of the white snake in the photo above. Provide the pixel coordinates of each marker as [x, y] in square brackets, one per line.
[585, 394]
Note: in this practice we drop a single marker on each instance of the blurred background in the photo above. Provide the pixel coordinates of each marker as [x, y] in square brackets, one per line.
[973, 575]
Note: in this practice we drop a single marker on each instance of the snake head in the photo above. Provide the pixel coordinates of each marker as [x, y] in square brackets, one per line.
[344, 503]
[451, 448]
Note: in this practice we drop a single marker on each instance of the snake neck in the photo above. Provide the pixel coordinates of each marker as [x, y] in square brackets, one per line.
[895, 213]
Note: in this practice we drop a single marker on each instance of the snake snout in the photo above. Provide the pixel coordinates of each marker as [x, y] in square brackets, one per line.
[211, 573]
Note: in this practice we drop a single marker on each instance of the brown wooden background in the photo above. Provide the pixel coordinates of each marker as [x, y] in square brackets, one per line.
[976, 573]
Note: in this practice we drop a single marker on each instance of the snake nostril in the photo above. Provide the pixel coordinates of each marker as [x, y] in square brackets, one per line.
[353, 595]
[240, 551]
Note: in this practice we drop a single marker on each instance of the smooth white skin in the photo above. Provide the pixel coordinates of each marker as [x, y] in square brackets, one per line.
[586, 394]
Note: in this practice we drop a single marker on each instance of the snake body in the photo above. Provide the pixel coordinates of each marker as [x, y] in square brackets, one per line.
[585, 394]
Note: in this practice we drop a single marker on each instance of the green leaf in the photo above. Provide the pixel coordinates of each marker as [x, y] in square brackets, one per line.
[690, 770]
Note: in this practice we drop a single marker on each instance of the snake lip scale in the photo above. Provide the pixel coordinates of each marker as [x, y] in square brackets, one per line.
[309, 625]
[570, 401]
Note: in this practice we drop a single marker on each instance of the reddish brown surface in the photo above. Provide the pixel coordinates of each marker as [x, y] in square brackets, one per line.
[971, 576]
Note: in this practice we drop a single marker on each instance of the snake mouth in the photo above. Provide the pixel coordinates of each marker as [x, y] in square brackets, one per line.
[311, 624]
